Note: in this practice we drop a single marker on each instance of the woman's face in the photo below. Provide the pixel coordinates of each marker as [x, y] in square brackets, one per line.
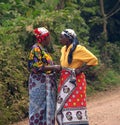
[63, 40]
[46, 41]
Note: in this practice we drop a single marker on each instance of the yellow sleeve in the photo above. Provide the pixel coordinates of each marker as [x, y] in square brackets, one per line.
[85, 56]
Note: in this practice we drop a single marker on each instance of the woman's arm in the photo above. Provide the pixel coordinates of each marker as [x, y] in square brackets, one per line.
[55, 68]
[81, 69]
[85, 56]
[35, 63]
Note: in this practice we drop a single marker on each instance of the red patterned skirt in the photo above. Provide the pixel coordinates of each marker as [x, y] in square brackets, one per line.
[71, 101]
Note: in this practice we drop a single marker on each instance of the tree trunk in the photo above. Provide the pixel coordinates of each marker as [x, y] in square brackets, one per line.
[61, 4]
[104, 19]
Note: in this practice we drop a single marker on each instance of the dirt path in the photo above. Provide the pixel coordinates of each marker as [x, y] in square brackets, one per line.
[103, 108]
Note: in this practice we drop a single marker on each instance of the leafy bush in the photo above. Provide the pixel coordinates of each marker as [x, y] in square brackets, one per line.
[18, 18]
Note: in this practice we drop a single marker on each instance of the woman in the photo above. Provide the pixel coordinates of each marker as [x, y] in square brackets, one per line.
[71, 102]
[42, 85]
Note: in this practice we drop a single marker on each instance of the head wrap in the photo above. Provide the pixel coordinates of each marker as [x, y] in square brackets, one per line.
[41, 33]
[69, 33]
[73, 38]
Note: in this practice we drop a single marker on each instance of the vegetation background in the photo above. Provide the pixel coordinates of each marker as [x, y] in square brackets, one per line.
[97, 24]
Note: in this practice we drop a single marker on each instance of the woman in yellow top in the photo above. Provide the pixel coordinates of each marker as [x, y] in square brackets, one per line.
[71, 101]
[42, 82]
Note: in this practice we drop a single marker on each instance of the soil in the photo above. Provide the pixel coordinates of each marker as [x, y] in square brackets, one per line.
[103, 108]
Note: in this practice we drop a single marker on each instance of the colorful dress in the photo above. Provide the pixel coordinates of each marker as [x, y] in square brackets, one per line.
[71, 101]
[42, 88]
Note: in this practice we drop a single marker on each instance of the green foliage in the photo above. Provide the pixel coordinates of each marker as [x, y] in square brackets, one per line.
[13, 70]
[103, 78]
[108, 79]
[18, 18]
[111, 56]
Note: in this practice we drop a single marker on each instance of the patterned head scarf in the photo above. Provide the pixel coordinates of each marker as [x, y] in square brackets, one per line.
[69, 33]
[73, 38]
[41, 33]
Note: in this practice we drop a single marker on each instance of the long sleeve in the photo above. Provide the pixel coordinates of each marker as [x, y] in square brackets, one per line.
[85, 56]
[38, 57]
[34, 61]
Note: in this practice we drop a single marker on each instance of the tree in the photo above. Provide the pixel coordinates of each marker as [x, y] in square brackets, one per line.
[106, 16]
[104, 19]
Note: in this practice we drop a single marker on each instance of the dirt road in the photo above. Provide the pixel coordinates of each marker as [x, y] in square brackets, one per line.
[103, 108]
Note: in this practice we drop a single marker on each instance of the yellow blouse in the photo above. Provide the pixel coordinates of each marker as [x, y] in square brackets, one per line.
[80, 56]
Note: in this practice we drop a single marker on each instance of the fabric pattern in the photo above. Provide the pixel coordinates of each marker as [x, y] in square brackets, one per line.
[42, 88]
[42, 96]
[38, 57]
[71, 101]
[41, 33]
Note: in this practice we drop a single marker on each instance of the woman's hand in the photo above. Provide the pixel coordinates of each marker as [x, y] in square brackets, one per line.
[78, 71]
[81, 69]
[57, 68]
